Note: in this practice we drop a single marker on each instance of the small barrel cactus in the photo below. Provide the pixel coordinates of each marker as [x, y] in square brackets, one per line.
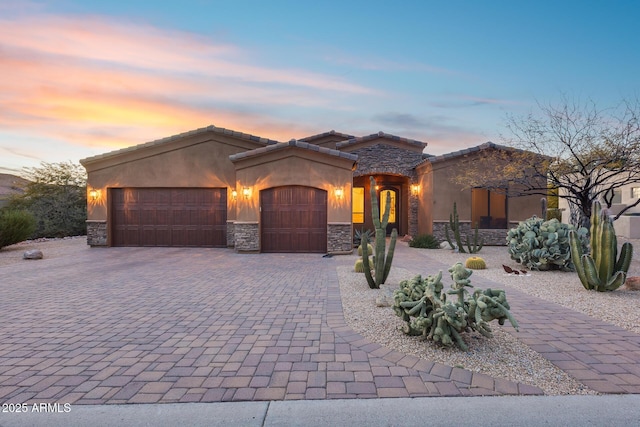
[475, 263]
[359, 265]
[369, 249]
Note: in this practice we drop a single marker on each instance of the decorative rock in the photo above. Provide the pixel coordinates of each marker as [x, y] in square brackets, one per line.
[632, 283]
[32, 254]
[445, 245]
[385, 299]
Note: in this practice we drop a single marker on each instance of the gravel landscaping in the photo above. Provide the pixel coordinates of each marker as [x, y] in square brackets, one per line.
[502, 356]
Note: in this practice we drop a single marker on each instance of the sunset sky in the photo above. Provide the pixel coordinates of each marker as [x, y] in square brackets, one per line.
[84, 77]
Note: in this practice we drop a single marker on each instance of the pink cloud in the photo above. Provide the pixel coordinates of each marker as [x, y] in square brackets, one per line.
[99, 83]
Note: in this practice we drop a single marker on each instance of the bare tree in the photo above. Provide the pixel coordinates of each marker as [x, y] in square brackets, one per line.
[585, 152]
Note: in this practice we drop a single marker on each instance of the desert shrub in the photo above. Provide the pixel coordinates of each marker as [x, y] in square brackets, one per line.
[424, 241]
[543, 245]
[15, 226]
[56, 197]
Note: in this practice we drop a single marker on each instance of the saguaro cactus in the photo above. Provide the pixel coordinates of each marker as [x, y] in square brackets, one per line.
[602, 270]
[382, 262]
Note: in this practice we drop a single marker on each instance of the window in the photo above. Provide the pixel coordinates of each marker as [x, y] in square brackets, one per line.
[357, 198]
[635, 192]
[488, 209]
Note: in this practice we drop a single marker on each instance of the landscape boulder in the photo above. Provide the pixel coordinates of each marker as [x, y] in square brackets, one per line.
[33, 254]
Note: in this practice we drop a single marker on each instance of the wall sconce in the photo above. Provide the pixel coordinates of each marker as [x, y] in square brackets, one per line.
[246, 192]
[339, 193]
[234, 195]
[415, 189]
[94, 194]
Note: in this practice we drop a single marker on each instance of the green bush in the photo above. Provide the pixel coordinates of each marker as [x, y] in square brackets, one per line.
[56, 197]
[543, 245]
[15, 226]
[424, 241]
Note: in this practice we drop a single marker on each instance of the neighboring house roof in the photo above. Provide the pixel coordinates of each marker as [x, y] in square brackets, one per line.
[470, 150]
[162, 141]
[358, 140]
[292, 143]
[324, 135]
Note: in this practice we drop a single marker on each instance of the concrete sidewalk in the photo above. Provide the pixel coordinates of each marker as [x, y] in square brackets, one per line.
[609, 410]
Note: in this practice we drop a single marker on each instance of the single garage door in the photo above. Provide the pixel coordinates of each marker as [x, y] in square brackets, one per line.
[168, 217]
[293, 219]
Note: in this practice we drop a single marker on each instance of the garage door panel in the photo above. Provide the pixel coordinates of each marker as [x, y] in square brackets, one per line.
[168, 217]
[294, 219]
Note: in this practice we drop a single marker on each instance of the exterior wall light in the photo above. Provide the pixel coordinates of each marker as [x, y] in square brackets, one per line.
[234, 195]
[415, 189]
[246, 192]
[339, 193]
[94, 194]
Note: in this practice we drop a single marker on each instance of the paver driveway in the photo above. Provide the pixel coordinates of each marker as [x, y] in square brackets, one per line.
[134, 325]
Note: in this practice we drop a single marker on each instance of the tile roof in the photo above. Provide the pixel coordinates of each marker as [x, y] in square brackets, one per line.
[157, 142]
[381, 134]
[454, 154]
[292, 143]
[322, 135]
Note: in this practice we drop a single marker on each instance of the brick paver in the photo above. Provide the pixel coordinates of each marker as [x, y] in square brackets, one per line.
[134, 325]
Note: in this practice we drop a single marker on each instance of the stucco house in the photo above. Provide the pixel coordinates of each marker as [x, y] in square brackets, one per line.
[216, 187]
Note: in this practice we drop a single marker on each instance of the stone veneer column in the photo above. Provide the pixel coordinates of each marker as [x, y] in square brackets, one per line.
[96, 233]
[413, 213]
[339, 237]
[231, 241]
[246, 236]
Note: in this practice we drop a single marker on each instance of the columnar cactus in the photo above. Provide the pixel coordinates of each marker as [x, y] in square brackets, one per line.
[455, 227]
[382, 262]
[602, 270]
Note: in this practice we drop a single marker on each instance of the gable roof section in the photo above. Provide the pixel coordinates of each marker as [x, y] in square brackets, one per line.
[324, 135]
[470, 150]
[380, 135]
[167, 140]
[293, 143]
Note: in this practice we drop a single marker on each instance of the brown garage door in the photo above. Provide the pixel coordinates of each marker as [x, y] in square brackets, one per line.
[293, 219]
[168, 217]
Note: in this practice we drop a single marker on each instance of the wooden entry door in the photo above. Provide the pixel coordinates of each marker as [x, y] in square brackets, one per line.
[293, 219]
[394, 214]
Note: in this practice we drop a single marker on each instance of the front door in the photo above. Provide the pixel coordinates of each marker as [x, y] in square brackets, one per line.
[394, 212]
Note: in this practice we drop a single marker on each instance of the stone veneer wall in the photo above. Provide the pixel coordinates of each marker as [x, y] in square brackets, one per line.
[231, 241]
[491, 237]
[246, 236]
[339, 238]
[383, 158]
[96, 233]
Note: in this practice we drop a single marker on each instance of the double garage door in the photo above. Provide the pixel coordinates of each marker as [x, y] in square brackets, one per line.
[168, 217]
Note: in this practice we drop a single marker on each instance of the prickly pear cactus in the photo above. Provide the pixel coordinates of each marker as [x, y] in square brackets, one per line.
[423, 306]
[543, 245]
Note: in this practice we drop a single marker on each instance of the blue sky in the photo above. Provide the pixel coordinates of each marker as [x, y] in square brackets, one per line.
[82, 77]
